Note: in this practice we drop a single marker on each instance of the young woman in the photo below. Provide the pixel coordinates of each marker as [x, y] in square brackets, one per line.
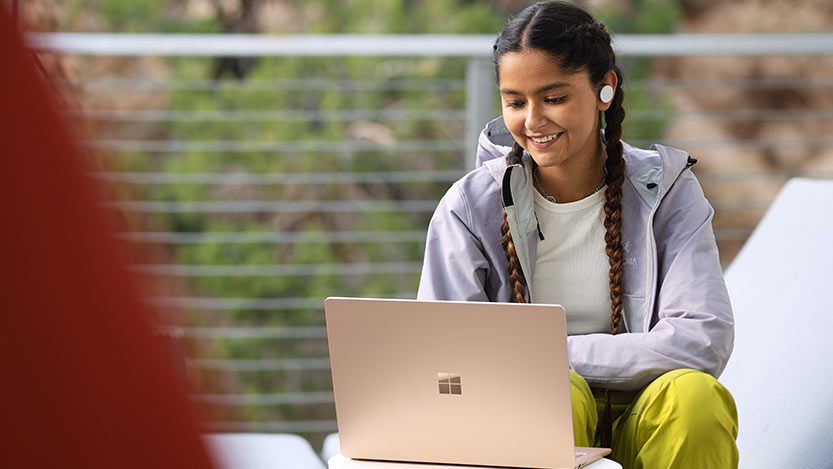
[561, 210]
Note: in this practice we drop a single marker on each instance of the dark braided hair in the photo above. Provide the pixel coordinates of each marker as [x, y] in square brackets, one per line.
[578, 43]
[516, 277]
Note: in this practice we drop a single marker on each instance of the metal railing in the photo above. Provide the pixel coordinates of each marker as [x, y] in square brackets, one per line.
[405, 45]
[476, 84]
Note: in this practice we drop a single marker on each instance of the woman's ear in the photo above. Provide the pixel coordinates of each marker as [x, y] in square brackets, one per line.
[604, 98]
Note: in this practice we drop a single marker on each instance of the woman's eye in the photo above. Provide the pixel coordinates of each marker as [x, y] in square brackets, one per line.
[515, 104]
[558, 100]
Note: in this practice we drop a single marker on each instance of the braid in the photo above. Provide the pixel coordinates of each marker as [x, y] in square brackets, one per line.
[615, 166]
[516, 277]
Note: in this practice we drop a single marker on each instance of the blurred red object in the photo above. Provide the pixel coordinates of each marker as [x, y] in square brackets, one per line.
[84, 381]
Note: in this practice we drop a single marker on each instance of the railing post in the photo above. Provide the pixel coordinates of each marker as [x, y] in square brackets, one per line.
[480, 95]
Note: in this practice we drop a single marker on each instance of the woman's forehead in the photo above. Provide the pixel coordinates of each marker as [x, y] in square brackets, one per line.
[530, 70]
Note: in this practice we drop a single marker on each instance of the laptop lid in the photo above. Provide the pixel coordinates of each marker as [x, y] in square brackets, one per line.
[451, 382]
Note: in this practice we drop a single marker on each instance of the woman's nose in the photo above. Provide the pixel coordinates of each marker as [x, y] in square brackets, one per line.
[534, 118]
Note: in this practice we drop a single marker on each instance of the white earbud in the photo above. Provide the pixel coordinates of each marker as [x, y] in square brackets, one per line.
[606, 94]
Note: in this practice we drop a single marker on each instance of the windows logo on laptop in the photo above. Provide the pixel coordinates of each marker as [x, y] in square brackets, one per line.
[450, 383]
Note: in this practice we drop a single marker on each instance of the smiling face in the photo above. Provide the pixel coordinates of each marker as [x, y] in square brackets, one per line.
[552, 114]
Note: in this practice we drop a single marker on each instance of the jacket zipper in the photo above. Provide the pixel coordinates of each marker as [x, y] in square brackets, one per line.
[538, 225]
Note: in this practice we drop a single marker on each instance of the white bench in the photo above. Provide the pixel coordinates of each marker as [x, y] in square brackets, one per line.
[332, 454]
[261, 451]
[781, 370]
[285, 451]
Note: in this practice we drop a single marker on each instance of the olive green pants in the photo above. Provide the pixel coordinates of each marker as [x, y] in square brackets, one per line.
[683, 419]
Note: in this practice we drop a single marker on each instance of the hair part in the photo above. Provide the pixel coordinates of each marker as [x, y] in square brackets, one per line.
[577, 42]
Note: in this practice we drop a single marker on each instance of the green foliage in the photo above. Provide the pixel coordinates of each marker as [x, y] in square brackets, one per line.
[404, 17]
[655, 17]
[642, 17]
[128, 15]
[134, 16]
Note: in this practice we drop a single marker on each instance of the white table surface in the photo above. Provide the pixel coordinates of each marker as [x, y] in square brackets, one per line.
[340, 462]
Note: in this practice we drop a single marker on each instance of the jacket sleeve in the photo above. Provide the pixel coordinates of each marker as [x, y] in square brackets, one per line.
[693, 326]
[455, 265]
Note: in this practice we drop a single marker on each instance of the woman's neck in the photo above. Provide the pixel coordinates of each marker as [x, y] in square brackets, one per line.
[571, 184]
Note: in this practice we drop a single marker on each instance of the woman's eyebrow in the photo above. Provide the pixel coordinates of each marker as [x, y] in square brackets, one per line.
[550, 87]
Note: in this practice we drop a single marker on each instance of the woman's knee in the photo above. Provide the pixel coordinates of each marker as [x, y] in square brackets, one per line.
[684, 418]
[695, 399]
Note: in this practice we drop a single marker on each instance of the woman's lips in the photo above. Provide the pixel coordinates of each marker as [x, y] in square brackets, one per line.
[547, 140]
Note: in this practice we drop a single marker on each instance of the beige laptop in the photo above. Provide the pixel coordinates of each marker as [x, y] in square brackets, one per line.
[453, 382]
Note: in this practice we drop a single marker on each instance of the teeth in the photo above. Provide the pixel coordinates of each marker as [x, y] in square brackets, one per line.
[545, 139]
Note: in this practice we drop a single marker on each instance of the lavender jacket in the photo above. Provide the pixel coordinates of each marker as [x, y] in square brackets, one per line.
[676, 308]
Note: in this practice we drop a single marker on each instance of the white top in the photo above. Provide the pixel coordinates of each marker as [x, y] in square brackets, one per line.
[572, 268]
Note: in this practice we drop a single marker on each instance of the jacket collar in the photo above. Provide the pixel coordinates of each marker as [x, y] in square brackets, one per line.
[652, 171]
